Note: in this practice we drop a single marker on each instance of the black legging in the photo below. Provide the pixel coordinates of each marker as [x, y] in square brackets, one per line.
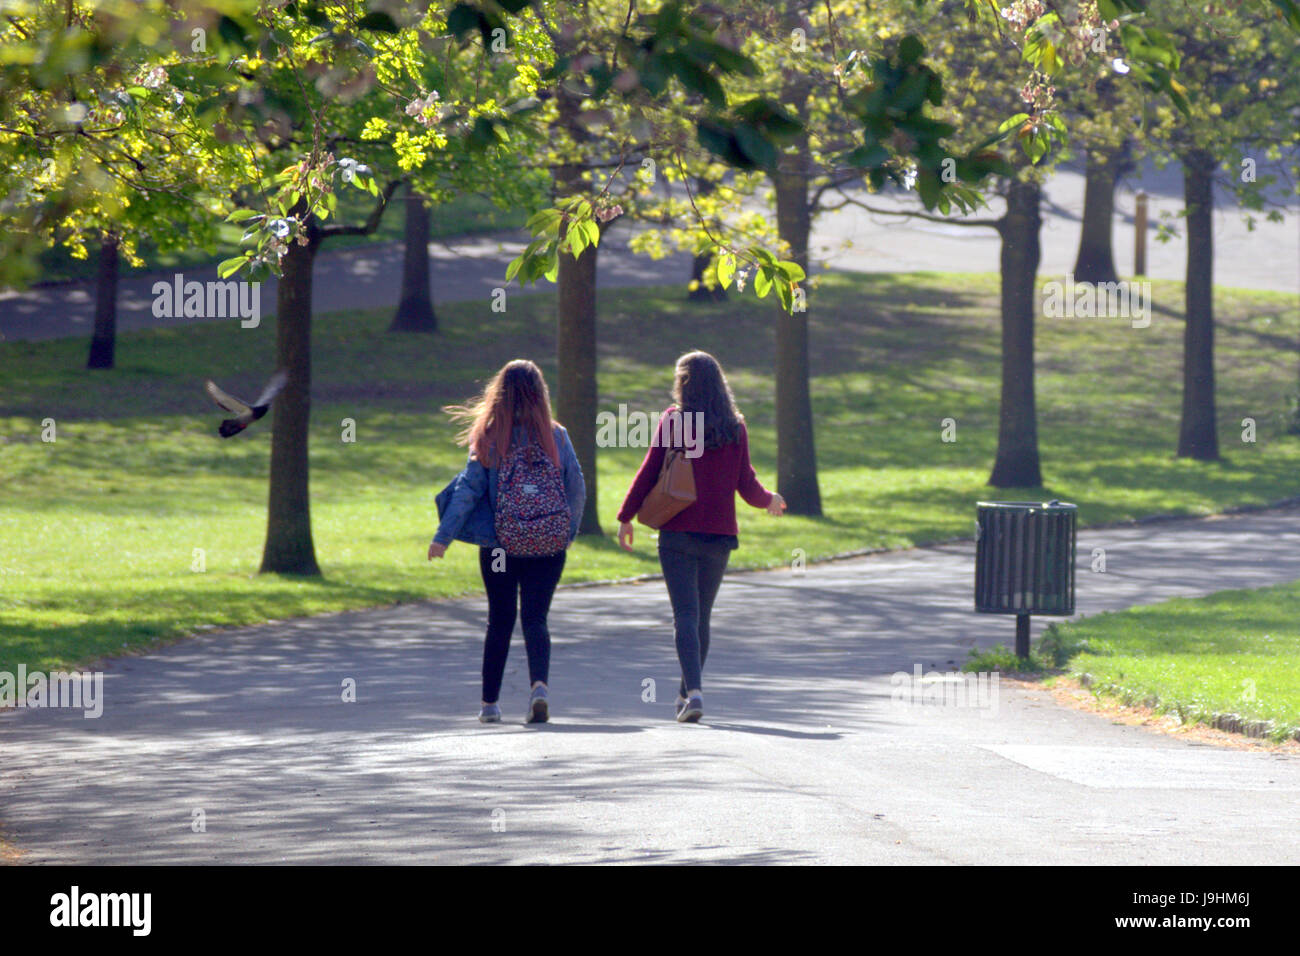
[693, 566]
[532, 581]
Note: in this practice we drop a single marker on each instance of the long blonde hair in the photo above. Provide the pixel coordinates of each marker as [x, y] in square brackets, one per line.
[517, 394]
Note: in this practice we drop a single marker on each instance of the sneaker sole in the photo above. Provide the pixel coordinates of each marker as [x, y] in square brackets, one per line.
[540, 712]
[690, 715]
[489, 720]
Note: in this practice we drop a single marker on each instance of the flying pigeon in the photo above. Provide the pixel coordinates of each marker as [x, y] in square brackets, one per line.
[245, 414]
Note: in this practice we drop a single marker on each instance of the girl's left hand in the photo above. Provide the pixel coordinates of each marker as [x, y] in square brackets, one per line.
[437, 550]
[776, 507]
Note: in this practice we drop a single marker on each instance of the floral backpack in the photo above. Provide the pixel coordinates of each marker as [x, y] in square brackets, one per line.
[532, 511]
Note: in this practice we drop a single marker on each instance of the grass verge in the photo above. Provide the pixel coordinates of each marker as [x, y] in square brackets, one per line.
[1230, 660]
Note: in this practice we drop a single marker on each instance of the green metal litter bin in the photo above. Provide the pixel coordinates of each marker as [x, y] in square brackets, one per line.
[1024, 561]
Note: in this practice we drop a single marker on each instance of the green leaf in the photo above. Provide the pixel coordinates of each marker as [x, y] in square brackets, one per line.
[544, 221]
[233, 32]
[575, 240]
[770, 116]
[1290, 12]
[698, 80]
[1036, 144]
[315, 15]
[230, 266]
[763, 282]
[1039, 50]
[726, 269]
[717, 139]
[792, 270]
[867, 156]
[929, 187]
[462, 19]
[1007, 125]
[784, 291]
[910, 50]
[378, 21]
[911, 93]
[756, 146]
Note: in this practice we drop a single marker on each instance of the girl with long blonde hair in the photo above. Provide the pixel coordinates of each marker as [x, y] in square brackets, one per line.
[520, 499]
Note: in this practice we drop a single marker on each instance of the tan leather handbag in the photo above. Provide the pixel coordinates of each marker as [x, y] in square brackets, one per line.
[672, 494]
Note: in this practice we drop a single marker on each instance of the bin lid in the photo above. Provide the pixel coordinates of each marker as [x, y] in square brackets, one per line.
[1052, 505]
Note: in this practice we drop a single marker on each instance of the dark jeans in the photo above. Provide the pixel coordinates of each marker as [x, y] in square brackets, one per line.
[693, 566]
[525, 584]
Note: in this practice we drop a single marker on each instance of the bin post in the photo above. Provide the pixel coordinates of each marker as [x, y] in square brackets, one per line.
[1022, 636]
[1140, 236]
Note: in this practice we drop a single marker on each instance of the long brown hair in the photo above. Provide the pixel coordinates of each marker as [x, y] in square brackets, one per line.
[699, 385]
[515, 395]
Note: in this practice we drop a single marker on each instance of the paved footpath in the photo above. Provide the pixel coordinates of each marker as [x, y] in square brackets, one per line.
[803, 756]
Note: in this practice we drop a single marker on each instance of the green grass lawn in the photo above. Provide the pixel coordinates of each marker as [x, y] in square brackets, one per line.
[1234, 652]
[98, 530]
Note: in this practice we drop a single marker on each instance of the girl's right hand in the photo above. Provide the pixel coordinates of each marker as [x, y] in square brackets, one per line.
[776, 507]
[625, 535]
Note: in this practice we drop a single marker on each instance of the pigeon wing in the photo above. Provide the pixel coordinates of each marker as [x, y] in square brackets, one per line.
[272, 389]
[228, 402]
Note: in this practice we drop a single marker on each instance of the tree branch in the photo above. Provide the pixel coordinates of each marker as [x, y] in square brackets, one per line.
[917, 214]
[371, 224]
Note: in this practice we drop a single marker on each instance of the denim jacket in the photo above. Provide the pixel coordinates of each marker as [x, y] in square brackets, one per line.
[467, 506]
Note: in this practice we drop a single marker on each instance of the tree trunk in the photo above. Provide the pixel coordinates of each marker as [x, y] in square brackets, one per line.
[575, 340]
[796, 453]
[1017, 463]
[415, 308]
[104, 339]
[1096, 259]
[1197, 436]
[289, 548]
[577, 398]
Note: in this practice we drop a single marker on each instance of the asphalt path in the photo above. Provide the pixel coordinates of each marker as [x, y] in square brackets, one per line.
[805, 754]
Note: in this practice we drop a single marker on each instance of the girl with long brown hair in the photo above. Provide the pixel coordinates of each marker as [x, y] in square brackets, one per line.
[519, 498]
[695, 545]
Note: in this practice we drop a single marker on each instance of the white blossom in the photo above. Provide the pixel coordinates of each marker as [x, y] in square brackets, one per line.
[419, 109]
[350, 168]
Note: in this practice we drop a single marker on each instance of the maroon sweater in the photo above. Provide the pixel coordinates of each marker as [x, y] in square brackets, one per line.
[719, 474]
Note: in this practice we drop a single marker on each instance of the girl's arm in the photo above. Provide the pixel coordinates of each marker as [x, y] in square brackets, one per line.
[471, 488]
[575, 486]
[647, 475]
[750, 488]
